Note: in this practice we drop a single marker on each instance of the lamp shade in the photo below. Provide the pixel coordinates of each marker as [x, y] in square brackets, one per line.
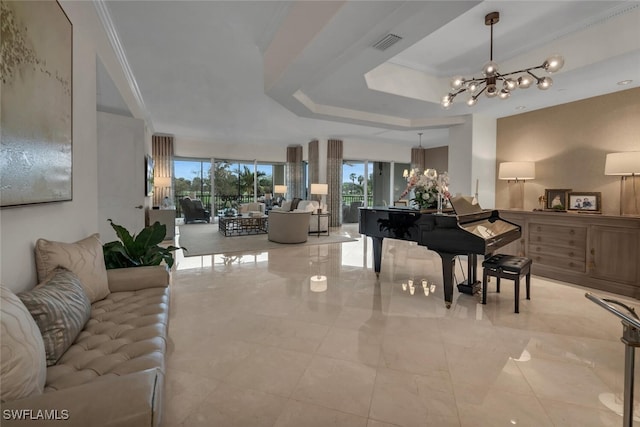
[162, 181]
[280, 189]
[622, 163]
[320, 189]
[517, 170]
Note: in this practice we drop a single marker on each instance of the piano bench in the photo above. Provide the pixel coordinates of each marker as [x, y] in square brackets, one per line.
[507, 267]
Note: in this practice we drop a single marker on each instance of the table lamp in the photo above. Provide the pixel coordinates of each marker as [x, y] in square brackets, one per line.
[320, 190]
[625, 165]
[517, 172]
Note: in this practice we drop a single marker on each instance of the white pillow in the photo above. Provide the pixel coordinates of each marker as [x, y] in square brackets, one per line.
[23, 370]
[286, 206]
[307, 206]
[84, 257]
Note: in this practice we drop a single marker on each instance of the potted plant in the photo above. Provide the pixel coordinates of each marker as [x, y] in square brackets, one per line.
[137, 251]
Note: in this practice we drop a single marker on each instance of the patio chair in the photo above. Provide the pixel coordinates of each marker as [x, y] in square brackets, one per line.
[193, 210]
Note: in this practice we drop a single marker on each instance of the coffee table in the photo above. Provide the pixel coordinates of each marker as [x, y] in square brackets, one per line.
[242, 225]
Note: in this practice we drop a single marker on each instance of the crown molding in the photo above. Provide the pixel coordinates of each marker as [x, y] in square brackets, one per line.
[112, 34]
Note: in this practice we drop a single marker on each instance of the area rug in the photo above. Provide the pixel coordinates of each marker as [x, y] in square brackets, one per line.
[204, 239]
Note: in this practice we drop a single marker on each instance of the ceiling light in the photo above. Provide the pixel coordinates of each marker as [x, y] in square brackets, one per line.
[625, 82]
[493, 83]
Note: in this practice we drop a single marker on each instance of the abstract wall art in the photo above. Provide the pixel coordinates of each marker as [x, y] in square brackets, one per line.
[36, 103]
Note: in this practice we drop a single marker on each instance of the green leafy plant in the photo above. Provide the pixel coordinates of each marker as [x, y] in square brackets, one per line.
[137, 251]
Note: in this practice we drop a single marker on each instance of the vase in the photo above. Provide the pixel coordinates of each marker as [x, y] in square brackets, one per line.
[439, 203]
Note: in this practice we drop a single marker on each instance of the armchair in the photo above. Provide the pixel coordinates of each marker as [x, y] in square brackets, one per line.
[193, 210]
[288, 227]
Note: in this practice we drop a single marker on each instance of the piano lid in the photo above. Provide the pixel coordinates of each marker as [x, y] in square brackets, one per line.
[463, 205]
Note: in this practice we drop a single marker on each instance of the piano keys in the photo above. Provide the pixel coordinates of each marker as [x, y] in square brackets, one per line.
[478, 233]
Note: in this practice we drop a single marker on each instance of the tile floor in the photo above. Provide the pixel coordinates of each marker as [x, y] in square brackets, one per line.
[251, 344]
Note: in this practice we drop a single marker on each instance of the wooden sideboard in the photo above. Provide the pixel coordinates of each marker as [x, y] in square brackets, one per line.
[597, 251]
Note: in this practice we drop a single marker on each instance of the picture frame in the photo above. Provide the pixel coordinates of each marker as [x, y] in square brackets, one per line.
[36, 112]
[585, 202]
[400, 203]
[556, 199]
[149, 173]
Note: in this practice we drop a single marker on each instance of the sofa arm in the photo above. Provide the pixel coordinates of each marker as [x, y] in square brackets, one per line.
[137, 278]
[131, 400]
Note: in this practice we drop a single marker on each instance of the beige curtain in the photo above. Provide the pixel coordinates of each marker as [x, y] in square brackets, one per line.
[334, 179]
[295, 181]
[314, 161]
[162, 153]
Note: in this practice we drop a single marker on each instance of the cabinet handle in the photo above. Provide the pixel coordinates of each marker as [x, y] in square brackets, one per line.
[572, 232]
[539, 238]
[570, 264]
[571, 254]
[593, 251]
[538, 249]
[571, 242]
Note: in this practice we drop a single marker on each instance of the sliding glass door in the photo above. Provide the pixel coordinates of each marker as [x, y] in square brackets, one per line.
[192, 177]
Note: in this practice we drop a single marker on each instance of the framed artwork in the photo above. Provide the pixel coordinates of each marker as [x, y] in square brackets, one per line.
[149, 167]
[36, 103]
[556, 199]
[581, 201]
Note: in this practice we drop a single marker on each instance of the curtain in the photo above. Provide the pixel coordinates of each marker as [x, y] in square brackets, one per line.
[334, 179]
[295, 184]
[162, 153]
[314, 161]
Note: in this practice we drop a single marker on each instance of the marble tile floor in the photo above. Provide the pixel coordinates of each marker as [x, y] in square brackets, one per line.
[251, 344]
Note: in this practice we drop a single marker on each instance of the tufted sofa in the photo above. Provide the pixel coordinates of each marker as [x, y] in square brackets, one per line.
[112, 374]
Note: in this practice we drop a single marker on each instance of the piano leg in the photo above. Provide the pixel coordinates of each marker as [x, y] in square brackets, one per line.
[377, 254]
[448, 265]
[470, 286]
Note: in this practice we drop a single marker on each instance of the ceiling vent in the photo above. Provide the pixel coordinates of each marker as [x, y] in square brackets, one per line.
[387, 41]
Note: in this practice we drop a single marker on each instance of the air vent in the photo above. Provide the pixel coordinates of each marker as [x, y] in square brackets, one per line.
[387, 41]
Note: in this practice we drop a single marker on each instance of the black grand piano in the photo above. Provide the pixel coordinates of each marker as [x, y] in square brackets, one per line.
[468, 230]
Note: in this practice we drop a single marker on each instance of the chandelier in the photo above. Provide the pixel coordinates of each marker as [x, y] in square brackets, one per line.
[492, 78]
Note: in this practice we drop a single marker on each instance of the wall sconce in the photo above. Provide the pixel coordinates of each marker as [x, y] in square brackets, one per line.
[319, 190]
[625, 165]
[518, 172]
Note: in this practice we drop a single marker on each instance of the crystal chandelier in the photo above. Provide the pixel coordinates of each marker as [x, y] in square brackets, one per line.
[492, 78]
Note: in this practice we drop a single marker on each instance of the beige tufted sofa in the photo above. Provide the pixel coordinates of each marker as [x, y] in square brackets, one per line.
[113, 373]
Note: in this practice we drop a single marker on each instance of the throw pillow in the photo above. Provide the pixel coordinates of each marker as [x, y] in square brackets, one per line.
[286, 206]
[60, 308]
[23, 370]
[85, 258]
[294, 203]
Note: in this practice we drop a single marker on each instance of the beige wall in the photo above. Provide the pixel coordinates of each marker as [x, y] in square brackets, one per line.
[569, 144]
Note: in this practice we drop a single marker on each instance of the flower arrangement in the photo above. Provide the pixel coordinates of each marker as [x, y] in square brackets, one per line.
[428, 187]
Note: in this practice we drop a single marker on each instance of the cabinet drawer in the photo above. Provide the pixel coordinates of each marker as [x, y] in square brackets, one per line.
[556, 235]
[570, 253]
[564, 263]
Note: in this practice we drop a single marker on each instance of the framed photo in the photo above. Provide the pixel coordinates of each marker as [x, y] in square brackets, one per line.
[556, 199]
[581, 201]
[400, 203]
[36, 103]
[148, 186]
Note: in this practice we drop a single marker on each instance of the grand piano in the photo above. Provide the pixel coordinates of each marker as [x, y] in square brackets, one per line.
[468, 230]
